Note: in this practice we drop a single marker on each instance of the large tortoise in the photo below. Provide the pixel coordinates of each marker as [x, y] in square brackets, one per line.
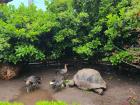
[89, 79]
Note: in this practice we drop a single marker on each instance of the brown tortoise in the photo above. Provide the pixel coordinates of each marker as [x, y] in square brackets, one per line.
[88, 79]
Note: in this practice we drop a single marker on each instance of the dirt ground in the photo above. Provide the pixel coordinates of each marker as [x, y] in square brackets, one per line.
[119, 85]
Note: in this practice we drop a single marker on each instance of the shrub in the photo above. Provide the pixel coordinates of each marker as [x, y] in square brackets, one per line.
[20, 30]
[84, 28]
[89, 28]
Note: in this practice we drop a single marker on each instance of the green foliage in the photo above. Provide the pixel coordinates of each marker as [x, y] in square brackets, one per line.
[57, 6]
[38, 103]
[51, 103]
[88, 48]
[115, 21]
[119, 57]
[20, 31]
[83, 28]
[8, 103]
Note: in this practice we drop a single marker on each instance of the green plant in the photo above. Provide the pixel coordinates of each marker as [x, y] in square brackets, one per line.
[119, 57]
[9, 103]
[20, 31]
[102, 29]
[52, 103]
[88, 29]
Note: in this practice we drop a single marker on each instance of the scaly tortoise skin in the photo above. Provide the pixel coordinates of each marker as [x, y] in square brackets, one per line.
[89, 79]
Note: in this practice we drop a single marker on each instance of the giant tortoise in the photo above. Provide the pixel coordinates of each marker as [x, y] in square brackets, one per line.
[88, 79]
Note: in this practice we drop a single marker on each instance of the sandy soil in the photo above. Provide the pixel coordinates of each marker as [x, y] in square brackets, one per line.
[119, 86]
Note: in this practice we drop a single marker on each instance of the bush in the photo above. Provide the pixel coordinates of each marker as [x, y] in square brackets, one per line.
[96, 31]
[20, 31]
[89, 29]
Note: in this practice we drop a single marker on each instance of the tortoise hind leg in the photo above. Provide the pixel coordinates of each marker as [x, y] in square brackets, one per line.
[99, 91]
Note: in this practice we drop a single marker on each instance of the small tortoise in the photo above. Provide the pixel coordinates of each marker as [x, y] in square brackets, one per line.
[88, 79]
